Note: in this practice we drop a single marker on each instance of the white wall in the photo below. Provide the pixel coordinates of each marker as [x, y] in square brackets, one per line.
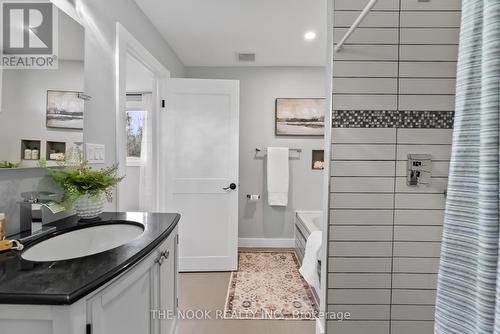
[259, 87]
[24, 107]
[131, 183]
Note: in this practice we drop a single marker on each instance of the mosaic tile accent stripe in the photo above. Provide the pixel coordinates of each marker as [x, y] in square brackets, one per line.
[392, 119]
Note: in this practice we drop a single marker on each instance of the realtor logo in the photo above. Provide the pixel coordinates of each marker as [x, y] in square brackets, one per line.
[29, 35]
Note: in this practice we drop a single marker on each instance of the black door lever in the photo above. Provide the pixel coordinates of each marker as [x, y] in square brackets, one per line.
[232, 186]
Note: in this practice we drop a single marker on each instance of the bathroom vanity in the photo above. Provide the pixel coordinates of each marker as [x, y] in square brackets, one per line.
[128, 289]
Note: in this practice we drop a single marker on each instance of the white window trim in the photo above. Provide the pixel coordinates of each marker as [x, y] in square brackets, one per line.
[135, 162]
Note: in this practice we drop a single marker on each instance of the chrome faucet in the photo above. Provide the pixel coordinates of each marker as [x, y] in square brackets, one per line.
[31, 217]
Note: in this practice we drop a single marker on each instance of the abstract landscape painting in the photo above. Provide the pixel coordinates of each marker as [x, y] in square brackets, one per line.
[300, 117]
[64, 110]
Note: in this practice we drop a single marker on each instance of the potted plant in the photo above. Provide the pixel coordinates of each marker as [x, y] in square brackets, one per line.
[86, 188]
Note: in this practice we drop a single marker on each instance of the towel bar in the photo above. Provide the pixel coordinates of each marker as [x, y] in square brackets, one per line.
[258, 149]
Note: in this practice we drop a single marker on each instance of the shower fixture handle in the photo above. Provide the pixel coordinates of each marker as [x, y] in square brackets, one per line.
[232, 186]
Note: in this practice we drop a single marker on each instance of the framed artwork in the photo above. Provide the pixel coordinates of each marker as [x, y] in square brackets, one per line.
[64, 110]
[300, 117]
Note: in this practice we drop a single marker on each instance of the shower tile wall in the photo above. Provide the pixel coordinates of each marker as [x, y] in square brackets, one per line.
[394, 85]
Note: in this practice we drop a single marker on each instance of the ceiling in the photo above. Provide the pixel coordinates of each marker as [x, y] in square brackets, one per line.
[212, 32]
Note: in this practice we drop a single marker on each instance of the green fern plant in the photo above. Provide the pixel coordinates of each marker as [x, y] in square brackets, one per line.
[81, 179]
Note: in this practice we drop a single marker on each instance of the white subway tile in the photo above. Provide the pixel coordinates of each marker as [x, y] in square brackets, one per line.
[360, 249]
[427, 86]
[359, 265]
[436, 186]
[428, 69]
[361, 217]
[362, 185]
[425, 136]
[428, 52]
[361, 4]
[412, 312]
[364, 102]
[364, 136]
[361, 201]
[363, 152]
[419, 217]
[427, 102]
[414, 281]
[368, 52]
[363, 312]
[365, 86]
[361, 233]
[416, 265]
[430, 35]
[430, 19]
[357, 327]
[365, 69]
[369, 35]
[376, 19]
[430, 249]
[357, 296]
[412, 327]
[420, 201]
[437, 152]
[431, 5]
[413, 297]
[362, 281]
[418, 233]
[363, 168]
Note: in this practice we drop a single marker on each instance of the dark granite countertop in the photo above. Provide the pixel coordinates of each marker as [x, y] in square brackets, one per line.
[64, 282]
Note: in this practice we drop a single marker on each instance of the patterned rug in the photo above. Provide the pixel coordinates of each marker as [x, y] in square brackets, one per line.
[268, 285]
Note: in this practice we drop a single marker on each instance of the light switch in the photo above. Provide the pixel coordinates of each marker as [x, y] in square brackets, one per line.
[95, 153]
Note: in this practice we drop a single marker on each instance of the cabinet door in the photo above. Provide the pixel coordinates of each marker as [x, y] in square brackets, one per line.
[125, 306]
[168, 284]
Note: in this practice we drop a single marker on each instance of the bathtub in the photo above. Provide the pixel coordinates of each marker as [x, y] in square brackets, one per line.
[305, 223]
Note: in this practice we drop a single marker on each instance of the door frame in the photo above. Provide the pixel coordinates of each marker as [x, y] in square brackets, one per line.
[321, 323]
[128, 45]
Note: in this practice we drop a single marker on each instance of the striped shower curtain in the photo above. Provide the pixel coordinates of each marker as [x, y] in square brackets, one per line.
[468, 296]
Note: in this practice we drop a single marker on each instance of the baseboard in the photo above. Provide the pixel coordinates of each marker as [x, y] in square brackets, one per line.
[207, 263]
[266, 242]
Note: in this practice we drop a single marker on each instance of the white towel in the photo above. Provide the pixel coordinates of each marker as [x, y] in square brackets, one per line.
[309, 268]
[277, 176]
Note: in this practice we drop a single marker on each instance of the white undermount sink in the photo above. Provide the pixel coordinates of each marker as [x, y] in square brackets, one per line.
[83, 242]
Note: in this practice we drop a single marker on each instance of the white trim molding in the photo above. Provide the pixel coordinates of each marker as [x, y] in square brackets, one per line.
[266, 242]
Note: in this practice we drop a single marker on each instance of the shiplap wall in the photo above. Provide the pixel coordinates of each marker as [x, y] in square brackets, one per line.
[385, 236]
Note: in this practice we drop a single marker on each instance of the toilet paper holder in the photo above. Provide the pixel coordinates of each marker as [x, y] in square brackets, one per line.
[253, 197]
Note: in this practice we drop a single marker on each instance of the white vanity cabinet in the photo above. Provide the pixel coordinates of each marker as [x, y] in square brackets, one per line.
[127, 305]
[124, 305]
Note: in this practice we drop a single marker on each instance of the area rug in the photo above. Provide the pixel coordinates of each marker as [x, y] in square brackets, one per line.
[268, 285]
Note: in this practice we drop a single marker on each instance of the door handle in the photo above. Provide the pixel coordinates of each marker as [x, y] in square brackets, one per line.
[232, 186]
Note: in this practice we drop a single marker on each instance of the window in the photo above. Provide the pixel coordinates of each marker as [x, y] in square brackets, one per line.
[135, 131]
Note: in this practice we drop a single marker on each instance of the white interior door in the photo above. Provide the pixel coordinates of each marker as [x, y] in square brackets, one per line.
[200, 138]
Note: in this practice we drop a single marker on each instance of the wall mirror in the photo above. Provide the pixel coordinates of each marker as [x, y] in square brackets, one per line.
[42, 110]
